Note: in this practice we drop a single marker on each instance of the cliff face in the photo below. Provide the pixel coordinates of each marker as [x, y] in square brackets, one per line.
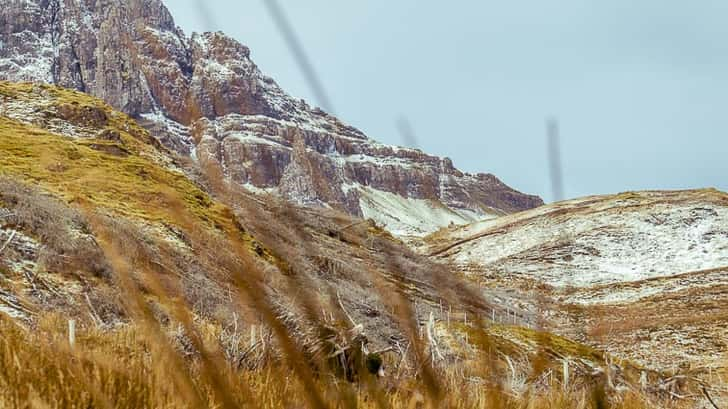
[203, 96]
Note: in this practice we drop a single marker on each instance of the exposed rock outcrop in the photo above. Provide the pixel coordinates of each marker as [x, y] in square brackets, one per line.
[204, 96]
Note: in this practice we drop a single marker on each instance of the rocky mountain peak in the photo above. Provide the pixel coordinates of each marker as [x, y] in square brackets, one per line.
[203, 96]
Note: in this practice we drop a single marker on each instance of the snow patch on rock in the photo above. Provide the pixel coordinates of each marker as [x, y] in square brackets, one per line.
[411, 217]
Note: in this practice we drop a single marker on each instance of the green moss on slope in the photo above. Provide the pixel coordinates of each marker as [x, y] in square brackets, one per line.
[123, 176]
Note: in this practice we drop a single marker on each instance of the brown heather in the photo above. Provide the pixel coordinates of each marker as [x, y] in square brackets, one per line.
[141, 364]
[131, 368]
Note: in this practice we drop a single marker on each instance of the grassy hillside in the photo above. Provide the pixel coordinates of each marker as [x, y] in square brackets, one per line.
[190, 292]
[87, 171]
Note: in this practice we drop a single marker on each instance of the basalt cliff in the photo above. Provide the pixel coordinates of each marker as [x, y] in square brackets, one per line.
[202, 96]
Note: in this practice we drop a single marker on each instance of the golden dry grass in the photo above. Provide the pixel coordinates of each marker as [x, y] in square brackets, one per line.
[128, 368]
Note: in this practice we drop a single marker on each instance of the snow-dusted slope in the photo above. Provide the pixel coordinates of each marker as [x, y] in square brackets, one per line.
[412, 217]
[641, 275]
[598, 240]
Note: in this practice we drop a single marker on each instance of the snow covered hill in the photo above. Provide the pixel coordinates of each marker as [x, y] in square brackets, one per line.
[642, 274]
[597, 240]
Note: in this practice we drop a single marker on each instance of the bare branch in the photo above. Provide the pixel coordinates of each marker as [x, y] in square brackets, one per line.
[93, 313]
[14, 303]
[707, 395]
[7, 243]
[383, 350]
[341, 304]
[357, 223]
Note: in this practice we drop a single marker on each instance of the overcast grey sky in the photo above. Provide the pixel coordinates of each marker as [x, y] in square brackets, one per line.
[640, 88]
